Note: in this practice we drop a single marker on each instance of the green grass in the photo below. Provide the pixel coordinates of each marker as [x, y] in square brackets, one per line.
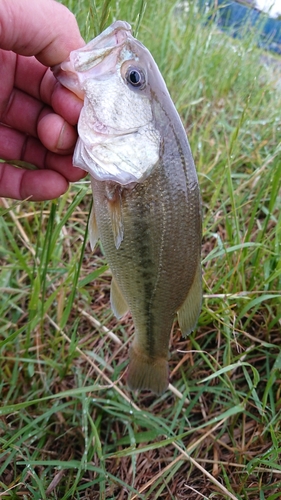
[69, 427]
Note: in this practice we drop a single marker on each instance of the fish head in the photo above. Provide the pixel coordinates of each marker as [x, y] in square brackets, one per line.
[119, 81]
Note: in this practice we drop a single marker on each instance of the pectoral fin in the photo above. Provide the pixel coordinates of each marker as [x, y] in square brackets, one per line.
[118, 304]
[190, 310]
[114, 200]
[93, 229]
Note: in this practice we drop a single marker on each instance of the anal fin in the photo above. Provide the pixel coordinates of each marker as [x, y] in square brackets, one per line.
[189, 311]
[118, 304]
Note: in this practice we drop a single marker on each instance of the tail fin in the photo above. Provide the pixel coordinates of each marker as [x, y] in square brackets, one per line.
[147, 373]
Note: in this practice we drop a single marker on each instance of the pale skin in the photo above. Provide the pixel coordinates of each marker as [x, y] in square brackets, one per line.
[37, 115]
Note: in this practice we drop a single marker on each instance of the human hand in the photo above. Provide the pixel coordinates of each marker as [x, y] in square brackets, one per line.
[37, 115]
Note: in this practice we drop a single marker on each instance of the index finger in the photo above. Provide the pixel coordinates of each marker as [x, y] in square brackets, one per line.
[44, 28]
[37, 185]
[38, 81]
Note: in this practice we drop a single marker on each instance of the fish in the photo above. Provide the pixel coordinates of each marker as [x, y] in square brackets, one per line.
[146, 198]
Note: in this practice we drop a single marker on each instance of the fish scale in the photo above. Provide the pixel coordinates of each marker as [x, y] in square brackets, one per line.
[147, 208]
[150, 264]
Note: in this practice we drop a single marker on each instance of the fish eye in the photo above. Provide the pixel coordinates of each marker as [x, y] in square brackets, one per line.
[135, 77]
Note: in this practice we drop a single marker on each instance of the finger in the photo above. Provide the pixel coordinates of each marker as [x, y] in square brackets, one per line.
[44, 28]
[56, 134]
[17, 146]
[29, 74]
[38, 81]
[26, 114]
[22, 112]
[21, 108]
[64, 102]
[63, 165]
[39, 185]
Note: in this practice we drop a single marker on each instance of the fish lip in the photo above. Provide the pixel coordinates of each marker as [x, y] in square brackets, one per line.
[118, 31]
[90, 56]
[89, 59]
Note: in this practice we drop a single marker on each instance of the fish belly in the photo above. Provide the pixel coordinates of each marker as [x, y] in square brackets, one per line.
[157, 265]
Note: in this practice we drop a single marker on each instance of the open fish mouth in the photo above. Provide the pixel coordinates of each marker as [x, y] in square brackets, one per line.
[113, 37]
[87, 62]
[118, 140]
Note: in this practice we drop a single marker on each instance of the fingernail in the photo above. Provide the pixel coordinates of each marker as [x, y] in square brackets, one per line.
[67, 137]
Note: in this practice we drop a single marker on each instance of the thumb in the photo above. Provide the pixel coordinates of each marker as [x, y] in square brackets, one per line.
[42, 28]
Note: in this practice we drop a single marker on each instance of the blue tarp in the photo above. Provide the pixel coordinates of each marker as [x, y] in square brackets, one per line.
[235, 18]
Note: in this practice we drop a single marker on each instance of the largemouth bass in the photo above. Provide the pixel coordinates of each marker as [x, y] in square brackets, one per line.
[147, 209]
